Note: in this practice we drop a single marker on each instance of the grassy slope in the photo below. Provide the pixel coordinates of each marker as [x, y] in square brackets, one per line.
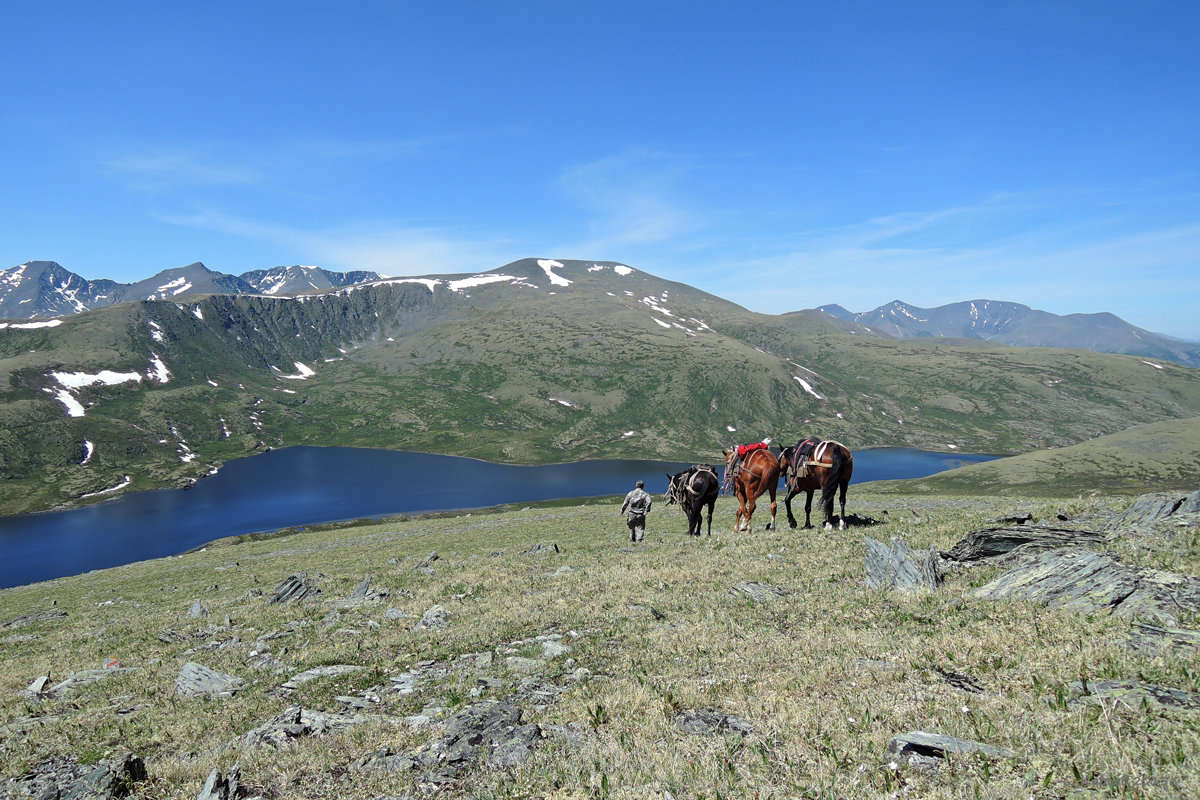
[827, 675]
[1164, 455]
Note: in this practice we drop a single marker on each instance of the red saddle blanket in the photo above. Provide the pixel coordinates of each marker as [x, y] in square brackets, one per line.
[743, 449]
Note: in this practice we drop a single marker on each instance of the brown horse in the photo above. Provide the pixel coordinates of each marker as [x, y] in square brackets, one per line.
[828, 467]
[759, 474]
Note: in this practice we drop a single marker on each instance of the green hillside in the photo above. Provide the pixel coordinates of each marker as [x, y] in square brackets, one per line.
[617, 363]
[1159, 456]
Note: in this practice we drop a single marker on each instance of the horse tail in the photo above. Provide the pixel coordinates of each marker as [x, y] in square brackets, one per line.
[837, 455]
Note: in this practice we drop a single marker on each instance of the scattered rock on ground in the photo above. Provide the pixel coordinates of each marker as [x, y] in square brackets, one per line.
[197, 680]
[294, 589]
[221, 786]
[330, 671]
[897, 568]
[759, 592]
[66, 778]
[1087, 582]
[297, 722]
[1156, 507]
[1134, 694]
[709, 721]
[1144, 637]
[993, 542]
[434, 617]
[935, 745]
[37, 616]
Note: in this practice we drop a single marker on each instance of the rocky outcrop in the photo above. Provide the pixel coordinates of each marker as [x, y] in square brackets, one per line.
[1088, 582]
[896, 568]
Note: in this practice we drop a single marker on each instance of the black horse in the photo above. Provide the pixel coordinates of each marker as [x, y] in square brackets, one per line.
[692, 489]
[810, 465]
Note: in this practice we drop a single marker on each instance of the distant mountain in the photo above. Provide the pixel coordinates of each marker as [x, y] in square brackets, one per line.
[1014, 324]
[297, 279]
[41, 289]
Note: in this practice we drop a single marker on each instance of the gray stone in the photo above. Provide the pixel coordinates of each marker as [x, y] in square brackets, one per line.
[1134, 694]
[109, 779]
[896, 568]
[197, 680]
[295, 588]
[330, 671]
[197, 610]
[522, 664]
[709, 721]
[1000, 541]
[1087, 582]
[935, 745]
[221, 786]
[515, 746]
[1144, 637]
[297, 722]
[38, 686]
[83, 678]
[37, 616]
[555, 649]
[1156, 507]
[759, 592]
[472, 727]
[434, 617]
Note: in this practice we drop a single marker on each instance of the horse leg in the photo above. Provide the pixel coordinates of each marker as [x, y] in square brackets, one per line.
[808, 510]
[842, 503]
[711, 505]
[751, 503]
[787, 502]
[771, 525]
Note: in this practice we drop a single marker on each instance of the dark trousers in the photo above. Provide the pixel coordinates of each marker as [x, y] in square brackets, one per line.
[637, 527]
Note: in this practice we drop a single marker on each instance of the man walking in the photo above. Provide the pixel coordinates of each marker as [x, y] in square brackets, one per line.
[636, 507]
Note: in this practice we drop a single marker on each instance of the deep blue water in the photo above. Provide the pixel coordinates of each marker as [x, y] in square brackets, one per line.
[308, 485]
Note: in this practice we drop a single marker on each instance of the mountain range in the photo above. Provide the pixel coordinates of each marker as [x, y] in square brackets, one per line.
[1017, 325]
[538, 361]
[44, 289]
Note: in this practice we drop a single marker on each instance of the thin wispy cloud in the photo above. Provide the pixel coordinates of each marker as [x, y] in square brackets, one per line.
[627, 200]
[387, 248]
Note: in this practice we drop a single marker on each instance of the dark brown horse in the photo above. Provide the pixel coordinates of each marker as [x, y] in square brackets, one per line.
[759, 473]
[693, 489]
[827, 466]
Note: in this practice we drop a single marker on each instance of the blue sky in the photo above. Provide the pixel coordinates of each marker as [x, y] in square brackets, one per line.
[781, 155]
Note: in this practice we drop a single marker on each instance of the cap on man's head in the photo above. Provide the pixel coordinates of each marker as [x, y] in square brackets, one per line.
[640, 484]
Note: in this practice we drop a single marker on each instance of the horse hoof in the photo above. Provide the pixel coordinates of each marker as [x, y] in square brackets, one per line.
[792, 525]
[828, 526]
[842, 525]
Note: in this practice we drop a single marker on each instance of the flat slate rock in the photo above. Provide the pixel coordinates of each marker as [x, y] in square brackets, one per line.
[710, 722]
[759, 592]
[1134, 694]
[296, 722]
[1005, 539]
[1087, 582]
[295, 588]
[1156, 507]
[938, 746]
[37, 616]
[1147, 638]
[197, 680]
[330, 671]
[895, 567]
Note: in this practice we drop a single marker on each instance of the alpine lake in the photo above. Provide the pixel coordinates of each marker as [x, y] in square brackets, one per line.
[300, 486]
